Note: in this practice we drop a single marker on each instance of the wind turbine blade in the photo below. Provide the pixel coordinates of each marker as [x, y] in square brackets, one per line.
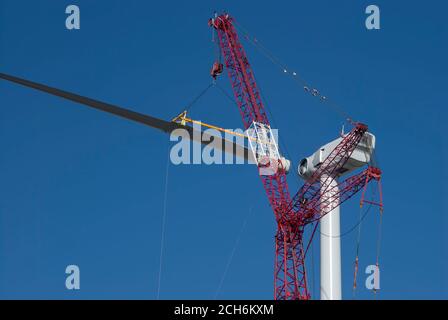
[121, 112]
[165, 126]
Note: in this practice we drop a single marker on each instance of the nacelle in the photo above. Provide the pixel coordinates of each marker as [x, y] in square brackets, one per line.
[360, 157]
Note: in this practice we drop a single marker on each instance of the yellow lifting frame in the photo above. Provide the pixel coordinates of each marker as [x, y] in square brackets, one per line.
[183, 119]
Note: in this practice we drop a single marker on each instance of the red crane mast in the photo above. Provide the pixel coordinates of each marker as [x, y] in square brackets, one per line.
[290, 278]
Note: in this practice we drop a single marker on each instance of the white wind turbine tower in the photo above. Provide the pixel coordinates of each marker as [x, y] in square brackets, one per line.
[330, 242]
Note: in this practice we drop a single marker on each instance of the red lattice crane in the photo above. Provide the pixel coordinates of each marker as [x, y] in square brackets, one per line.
[291, 214]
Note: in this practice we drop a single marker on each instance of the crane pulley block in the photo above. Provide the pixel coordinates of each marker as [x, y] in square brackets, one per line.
[217, 69]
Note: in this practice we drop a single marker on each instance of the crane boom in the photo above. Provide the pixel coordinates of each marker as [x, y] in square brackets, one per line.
[289, 275]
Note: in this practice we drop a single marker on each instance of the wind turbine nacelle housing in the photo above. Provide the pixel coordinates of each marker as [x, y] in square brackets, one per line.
[360, 157]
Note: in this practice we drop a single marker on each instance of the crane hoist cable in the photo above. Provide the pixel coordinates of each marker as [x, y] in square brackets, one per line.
[163, 228]
[294, 75]
[197, 98]
[378, 249]
[225, 93]
[217, 51]
[379, 235]
[313, 274]
[358, 244]
[362, 216]
[356, 263]
[235, 247]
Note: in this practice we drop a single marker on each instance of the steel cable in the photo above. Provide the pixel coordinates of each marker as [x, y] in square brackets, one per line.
[294, 75]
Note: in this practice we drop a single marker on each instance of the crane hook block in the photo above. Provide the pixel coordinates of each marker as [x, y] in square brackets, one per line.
[217, 69]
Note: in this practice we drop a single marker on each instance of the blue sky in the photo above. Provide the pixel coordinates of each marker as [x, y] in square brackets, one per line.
[82, 187]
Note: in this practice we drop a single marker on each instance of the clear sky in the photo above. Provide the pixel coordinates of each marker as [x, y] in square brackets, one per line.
[81, 187]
